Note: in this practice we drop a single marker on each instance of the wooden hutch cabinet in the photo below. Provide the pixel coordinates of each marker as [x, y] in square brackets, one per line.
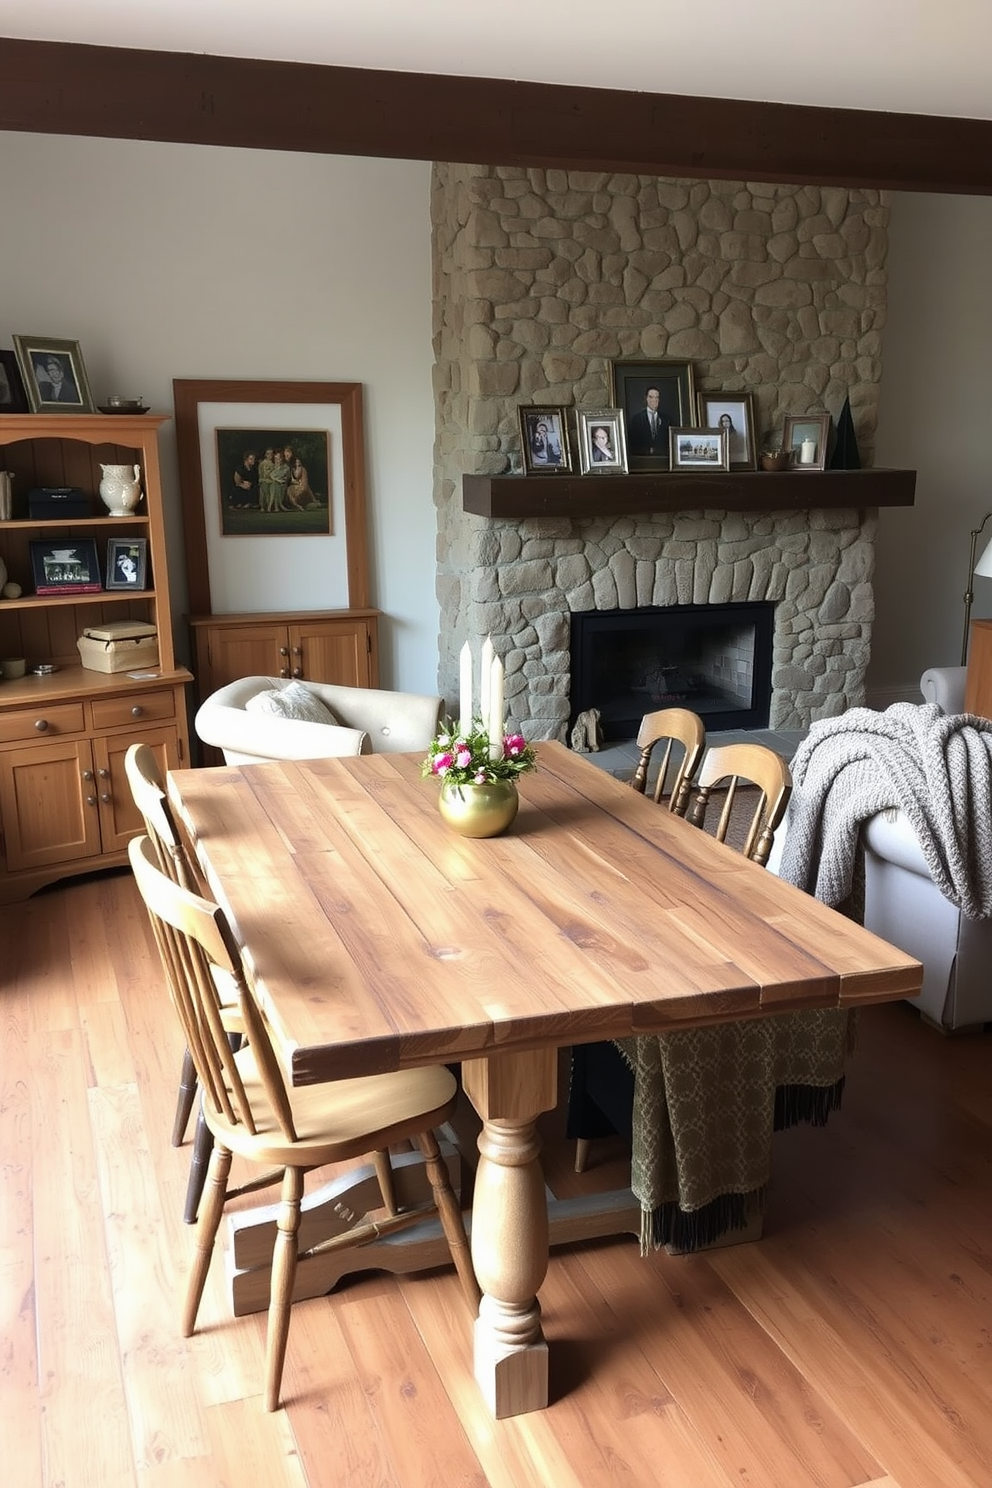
[65, 806]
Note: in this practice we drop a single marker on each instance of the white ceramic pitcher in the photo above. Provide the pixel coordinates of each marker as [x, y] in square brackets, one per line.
[120, 489]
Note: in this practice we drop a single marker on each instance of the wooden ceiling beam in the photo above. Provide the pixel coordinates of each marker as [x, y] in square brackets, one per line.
[59, 88]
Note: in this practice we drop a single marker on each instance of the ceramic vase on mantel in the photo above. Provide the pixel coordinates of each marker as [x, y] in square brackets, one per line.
[120, 489]
[478, 810]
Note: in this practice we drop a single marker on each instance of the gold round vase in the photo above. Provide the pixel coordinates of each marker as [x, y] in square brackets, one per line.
[478, 810]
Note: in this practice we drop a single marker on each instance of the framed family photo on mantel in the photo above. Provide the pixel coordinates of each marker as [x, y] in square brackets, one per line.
[733, 412]
[655, 396]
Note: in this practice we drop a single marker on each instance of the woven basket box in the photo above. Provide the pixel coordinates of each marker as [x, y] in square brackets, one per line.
[119, 646]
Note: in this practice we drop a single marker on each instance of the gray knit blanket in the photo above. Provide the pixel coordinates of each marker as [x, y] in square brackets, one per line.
[935, 767]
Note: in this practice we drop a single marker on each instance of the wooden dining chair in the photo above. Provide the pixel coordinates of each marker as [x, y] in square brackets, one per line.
[670, 727]
[739, 769]
[601, 1085]
[602, 1090]
[148, 790]
[147, 785]
[286, 1131]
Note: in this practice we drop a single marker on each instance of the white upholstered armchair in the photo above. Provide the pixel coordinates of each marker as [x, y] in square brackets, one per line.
[242, 720]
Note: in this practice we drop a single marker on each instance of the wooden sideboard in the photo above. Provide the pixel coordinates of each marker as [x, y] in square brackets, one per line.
[978, 681]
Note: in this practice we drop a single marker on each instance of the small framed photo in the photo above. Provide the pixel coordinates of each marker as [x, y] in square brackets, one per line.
[127, 562]
[65, 567]
[543, 439]
[700, 449]
[806, 438]
[602, 443]
[13, 398]
[655, 396]
[735, 413]
[54, 375]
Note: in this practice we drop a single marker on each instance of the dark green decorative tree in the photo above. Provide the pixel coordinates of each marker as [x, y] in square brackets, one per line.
[846, 455]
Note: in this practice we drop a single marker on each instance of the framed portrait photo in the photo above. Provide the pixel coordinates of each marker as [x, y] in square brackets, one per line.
[735, 413]
[53, 374]
[700, 449]
[127, 563]
[602, 442]
[544, 440]
[655, 396]
[807, 437]
[274, 481]
[13, 398]
[65, 566]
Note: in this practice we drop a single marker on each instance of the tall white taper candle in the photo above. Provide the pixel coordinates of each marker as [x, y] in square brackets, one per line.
[465, 688]
[485, 680]
[496, 710]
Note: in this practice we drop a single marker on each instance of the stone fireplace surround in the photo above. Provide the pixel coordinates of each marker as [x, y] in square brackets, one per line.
[543, 277]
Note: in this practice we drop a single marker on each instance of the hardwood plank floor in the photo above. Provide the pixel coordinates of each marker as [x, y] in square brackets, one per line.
[850, 1348]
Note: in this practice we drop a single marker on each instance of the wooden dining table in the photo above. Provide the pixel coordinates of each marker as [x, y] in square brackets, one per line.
[377, 938]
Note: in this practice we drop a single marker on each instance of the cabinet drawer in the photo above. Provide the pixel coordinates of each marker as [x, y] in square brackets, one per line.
[145, 707]
[45, 721]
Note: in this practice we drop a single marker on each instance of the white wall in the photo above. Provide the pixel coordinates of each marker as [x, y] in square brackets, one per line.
[935, 415]
[190, 261]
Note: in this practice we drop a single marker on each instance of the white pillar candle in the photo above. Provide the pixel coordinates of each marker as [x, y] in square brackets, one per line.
[485, 680]
[465, 688]
[496, 710]
[807, 452]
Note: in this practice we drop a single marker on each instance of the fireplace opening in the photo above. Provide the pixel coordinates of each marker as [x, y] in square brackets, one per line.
[714, 659]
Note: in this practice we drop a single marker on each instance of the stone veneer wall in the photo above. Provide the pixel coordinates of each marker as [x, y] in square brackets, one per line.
[541, 278]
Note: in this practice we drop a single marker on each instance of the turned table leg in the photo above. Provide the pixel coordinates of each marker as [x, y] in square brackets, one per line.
[510, 1226]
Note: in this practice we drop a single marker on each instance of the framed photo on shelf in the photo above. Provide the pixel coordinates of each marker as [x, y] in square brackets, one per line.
[13, 398]
[655, 396]
[65, 566]
[807, 437]
[127, 562]
[602, 443]
[700, 449]
[543, 439]
[735, 413]
[53, 374]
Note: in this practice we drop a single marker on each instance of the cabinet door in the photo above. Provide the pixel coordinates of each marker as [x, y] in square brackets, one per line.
[338, 651]
[226, 653]
[120, 819]
[48, 804]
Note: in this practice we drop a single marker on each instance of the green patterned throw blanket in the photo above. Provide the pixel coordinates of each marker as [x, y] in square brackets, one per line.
[706, 1103]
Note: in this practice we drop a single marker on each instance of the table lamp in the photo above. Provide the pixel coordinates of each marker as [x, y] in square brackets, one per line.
[984, 570]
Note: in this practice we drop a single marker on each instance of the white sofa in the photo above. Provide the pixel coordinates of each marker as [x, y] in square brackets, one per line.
[370, 720]
[945, 687]
[905, 907]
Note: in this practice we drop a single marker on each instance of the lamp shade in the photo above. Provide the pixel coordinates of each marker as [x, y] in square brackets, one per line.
[984, 565]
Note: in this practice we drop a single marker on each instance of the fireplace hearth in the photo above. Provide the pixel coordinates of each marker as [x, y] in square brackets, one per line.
[714, 659]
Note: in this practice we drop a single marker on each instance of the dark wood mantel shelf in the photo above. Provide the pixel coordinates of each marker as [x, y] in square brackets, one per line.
[629, 495]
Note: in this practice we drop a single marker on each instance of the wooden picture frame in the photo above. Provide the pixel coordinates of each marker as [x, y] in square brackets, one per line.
[632, 387]
[544, 443]
[13, 398]
[65, 565]
[127, 563]
[735, 413]
[202, 408]
[699, 449]
[805, 429]
[53, 374]
[602, 443]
